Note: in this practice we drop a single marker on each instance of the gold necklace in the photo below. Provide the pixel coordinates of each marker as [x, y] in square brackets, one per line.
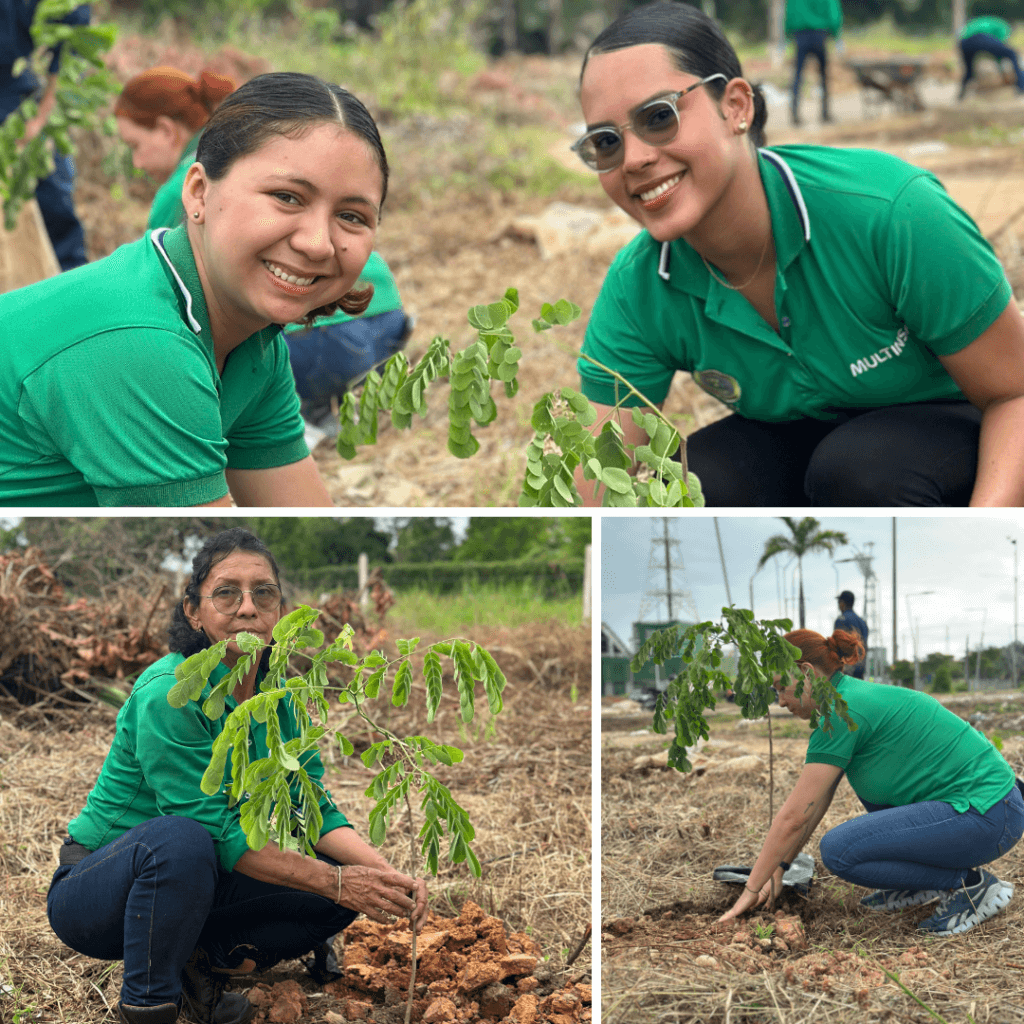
[740, 287]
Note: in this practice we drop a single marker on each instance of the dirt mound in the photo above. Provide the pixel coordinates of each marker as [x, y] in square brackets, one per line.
[467, 969]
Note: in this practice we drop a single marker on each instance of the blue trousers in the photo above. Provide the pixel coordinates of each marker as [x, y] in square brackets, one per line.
[55, 196]
[983, 43]
[810, 41]
[150, 897]
[921, 846]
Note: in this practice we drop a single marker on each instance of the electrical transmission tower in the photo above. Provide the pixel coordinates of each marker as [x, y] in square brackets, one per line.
[875, 667]
[666, 564]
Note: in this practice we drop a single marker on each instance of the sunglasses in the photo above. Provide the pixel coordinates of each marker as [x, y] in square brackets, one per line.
[656, 123]
[228, 600]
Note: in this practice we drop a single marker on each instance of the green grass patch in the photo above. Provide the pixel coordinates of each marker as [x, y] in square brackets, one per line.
[447, 615]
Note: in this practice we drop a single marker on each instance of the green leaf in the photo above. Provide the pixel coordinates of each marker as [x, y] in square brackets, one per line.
[617, 480]
[406, 647]
[346, 747]
[432, 677]
[402, 686]
[293, 622]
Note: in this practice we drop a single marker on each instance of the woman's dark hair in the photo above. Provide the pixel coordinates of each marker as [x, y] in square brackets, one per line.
[828, 654]
[182, 638]
[696, 42]
[290, 104]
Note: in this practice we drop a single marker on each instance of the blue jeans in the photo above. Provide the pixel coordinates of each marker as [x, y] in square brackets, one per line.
[150, 897]
[810, 41]
[982, 43]
[55, 195]
[921, 846]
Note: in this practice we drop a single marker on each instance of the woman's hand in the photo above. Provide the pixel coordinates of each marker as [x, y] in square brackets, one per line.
[381, 894]
[749, 899]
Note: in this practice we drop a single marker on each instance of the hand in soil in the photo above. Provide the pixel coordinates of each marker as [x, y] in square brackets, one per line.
[749, 899]
[382, 895]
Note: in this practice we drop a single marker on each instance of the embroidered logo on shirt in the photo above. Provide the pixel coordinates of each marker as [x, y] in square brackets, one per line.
[719, 385]
[885, 353]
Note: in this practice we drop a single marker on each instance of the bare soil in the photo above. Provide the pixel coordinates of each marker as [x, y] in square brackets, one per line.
[820, 957]
[496, 947]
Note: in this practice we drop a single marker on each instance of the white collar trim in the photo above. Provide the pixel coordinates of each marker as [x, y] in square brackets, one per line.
[156, 237]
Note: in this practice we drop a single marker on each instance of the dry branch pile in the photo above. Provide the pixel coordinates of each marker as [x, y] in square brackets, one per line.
[59, 653]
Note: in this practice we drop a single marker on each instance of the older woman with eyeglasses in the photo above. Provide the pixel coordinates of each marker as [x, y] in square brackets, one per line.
[158, 874]
[846, 310]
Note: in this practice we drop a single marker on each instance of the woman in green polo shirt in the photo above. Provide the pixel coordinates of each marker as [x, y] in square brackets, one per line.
[837, 300]
[942, 801]
[159, 376]
[156, 873]
[160, 115]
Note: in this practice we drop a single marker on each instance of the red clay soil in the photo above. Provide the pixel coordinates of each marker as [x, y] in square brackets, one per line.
[469, 969]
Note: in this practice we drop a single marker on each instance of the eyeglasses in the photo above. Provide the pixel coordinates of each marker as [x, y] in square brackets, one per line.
[656, 123]
[227, 600]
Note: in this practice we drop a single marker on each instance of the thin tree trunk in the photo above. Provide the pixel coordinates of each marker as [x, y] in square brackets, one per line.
[800, 565]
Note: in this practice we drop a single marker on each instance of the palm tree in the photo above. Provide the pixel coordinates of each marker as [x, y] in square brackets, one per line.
[806, 538]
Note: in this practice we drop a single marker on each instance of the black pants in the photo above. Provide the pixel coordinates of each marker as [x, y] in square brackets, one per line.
[920, 454]
[810, 41]
[982, 43]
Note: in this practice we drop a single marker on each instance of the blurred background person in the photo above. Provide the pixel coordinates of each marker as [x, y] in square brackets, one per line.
[55, 194]
[987, 35]
[810, 23]
[850, 622]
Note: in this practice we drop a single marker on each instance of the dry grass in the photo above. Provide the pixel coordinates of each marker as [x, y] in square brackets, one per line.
[663, 834]
[526, 786]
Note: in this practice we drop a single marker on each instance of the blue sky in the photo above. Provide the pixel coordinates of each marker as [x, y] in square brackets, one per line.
[966, 562]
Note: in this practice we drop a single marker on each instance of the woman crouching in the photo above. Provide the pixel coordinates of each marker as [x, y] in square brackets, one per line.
[158, 874]
[942, 801]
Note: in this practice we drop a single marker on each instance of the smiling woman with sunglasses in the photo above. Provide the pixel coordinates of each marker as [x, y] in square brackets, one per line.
[156, 873]
[846, 310]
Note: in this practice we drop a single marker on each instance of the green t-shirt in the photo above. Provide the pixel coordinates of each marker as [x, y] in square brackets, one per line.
[167, 210]
[989, 25]
[385, 295]
[157, 760]
[908, 748]
[823, 15]
[109, 390]
[878, 272]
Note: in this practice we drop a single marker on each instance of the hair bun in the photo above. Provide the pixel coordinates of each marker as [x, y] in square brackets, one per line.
[212, 89]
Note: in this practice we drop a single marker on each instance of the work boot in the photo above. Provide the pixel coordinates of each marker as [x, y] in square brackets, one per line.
[203, 997]
[323, 967]
[165, 1013]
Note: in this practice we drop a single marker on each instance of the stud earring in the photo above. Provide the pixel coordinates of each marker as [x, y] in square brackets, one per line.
[742, 127]
[196, 215]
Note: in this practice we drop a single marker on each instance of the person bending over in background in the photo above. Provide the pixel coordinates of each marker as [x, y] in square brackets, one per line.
[941, 800]
[55, 194]
[987, 35]
[850, 314]
[158, 376]
[156, 873]
[160, 116]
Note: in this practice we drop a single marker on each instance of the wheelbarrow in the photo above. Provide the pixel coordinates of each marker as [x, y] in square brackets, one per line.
[893, 81]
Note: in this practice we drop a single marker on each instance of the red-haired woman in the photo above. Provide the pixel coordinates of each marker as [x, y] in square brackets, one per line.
[160, 115]
[942, 801]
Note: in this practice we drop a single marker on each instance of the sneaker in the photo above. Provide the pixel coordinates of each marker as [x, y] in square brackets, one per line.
[961, 909]
[899, 899]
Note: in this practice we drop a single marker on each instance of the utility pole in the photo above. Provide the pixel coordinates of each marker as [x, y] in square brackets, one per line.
[1014, 543]
[668, 571]
[721, 555]
[895, 653]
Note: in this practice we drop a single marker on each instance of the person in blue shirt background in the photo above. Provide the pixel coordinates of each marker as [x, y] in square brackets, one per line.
[53, 194]
[849, 621]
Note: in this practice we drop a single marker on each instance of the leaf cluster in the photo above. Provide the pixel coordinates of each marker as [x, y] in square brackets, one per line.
[280, 801]
[764, 658]
[84, 87]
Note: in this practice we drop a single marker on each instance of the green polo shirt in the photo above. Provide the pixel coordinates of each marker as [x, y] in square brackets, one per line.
[167, 210]
[109, 390]
[823, 15]
[157, 760]
[878, 272]
[988, 25]
[908, 749]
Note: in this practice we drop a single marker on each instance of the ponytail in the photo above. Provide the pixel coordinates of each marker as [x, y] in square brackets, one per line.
[827, 655]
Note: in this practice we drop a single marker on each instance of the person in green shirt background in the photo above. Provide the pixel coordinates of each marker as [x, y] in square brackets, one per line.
[160, 116]
[156, 873]
[847, 311]
[941, 800]
[158, 376]
[810, 23]
[987, 34]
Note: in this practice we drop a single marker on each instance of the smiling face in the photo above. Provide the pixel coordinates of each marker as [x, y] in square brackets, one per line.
[245, 570]
[288, 229]
[155, 150]
[670, 189]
